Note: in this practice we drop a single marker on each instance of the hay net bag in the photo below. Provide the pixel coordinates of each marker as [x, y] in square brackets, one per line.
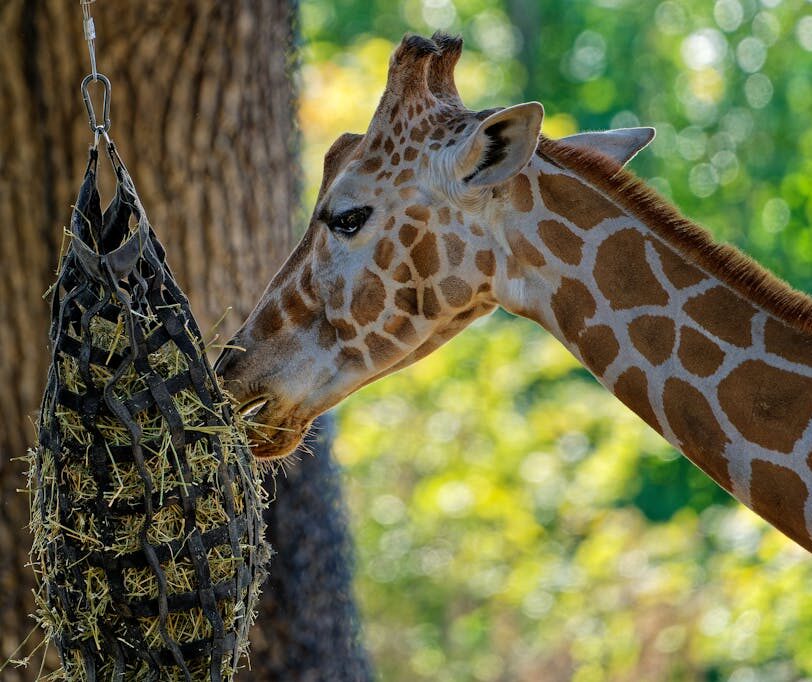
[146, 503]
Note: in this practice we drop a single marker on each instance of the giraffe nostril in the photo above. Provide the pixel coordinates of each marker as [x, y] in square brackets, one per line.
[226, 361]
[221, 362]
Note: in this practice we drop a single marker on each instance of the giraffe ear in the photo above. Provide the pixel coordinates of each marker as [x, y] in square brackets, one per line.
[500, 146]
[621, 144]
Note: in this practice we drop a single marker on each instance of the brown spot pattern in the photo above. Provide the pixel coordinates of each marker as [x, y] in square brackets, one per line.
[384, 250]
[572, 305]
[769, 406]
[419, 213]
[523, 250]
[514, 268]
[381, 349]
[562, 241]
[444, 215]
[572, 199]
[322, 252]
[336, 298]
[693, 423]
[368, 298]
[402, 273]
[346, 331]
[425, 257]
[789, 343]
[401, 328]
[454, 249]
[296, 309]
[306, 282]
[631, 388]
[410, 154]
[623, 275]
[407, 234]
[456, 291]
[418, 134]
[371, 165]
[269, 320]
[724, 314]
[485, 262]
[521, 196]
[599, 347]
[698, 354]
[350, 358]
[681, 273]
[404, 176]
[431, 304]
[778, 494]
[653, 336]
[406, 300]
[327, 334]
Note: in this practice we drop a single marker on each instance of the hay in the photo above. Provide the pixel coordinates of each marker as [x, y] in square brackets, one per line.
[154, 503]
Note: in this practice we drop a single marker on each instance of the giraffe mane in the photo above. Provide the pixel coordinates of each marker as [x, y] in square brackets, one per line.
[737, 270]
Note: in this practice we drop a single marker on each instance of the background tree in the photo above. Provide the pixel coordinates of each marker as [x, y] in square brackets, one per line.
[203, 113]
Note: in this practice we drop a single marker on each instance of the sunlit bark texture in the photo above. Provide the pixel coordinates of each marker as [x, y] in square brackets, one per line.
[202, 112]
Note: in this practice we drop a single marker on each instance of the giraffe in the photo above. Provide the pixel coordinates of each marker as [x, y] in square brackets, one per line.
[437, 215]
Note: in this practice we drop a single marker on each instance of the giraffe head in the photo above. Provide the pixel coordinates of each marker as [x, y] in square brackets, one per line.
[400, 253]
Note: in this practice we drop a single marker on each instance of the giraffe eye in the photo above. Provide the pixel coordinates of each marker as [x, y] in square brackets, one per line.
[350, 221]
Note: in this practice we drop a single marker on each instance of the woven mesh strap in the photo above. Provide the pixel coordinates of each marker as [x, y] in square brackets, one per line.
[114, 276]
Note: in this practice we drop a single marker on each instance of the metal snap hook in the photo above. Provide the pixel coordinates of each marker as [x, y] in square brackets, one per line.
[95, 126]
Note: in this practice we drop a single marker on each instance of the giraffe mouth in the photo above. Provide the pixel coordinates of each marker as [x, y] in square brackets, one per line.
[272, 436]
[249, 409]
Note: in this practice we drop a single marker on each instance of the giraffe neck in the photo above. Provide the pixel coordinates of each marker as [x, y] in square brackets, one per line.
[702, 349]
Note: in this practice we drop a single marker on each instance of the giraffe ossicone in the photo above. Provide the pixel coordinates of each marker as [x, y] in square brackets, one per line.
[438, 214]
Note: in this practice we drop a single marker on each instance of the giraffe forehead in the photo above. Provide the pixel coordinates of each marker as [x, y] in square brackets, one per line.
[349, 186]
[408, 135]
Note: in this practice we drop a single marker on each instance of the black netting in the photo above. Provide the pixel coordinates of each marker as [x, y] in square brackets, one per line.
[146, 506]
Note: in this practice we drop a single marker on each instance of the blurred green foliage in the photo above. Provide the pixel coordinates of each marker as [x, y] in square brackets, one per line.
[514, 521]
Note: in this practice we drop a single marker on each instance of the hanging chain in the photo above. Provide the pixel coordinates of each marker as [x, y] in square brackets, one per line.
[90, 36]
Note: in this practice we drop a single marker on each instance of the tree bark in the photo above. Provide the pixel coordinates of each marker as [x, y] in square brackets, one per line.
[202, 112]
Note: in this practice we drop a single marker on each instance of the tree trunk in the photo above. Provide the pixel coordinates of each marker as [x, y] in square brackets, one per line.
[202, 113]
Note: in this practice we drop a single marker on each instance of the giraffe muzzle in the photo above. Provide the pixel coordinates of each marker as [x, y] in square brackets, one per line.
[273, 436]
